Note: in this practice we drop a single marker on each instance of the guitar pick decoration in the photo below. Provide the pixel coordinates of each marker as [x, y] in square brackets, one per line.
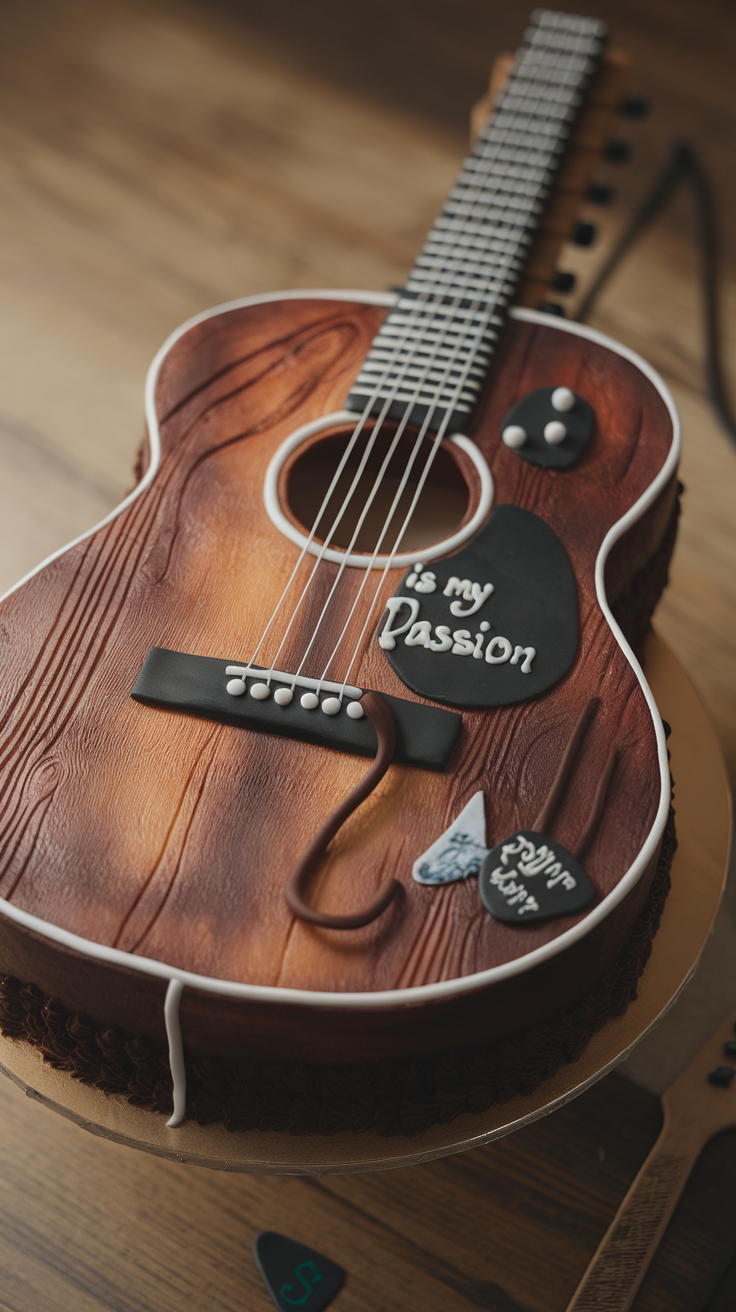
[460, 851]
[529, 877]
[493, 624]
[296, 1276]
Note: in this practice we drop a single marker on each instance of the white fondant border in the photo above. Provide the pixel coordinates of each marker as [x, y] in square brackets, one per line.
[425, 992]
[358, 561]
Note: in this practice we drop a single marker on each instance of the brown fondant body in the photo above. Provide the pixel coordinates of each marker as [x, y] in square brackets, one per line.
[172, 838]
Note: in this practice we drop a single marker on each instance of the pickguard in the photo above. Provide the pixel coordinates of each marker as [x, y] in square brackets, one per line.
[494, 624]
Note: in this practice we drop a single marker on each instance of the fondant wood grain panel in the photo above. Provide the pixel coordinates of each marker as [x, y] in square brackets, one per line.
[173, 837]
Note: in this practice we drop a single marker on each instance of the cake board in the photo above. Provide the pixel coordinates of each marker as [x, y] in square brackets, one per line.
[703, 813]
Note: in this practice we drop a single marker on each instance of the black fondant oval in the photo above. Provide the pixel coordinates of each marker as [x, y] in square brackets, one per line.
[533, 604]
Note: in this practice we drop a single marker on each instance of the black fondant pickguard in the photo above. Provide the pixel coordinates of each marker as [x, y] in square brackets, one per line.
[529, 877]
[534, 604]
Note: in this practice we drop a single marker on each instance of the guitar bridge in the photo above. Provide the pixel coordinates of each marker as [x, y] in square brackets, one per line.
[198, 685]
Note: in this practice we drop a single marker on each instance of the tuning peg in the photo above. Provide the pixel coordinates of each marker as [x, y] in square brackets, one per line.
[617, 152]
[599, 193]
[551, 307]
[583, 234]
[563, 282]
[634, 107]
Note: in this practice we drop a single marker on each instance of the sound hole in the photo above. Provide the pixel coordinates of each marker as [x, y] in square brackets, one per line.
[441, 508]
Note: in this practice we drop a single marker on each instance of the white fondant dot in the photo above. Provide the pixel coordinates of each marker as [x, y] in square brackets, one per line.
[331, 705]
[310, 701]
[562, 399]
[514, 436]
[355, 710]
[554, 432]
[283, 696]
[260, 691]
[236, 687]
[484, 626]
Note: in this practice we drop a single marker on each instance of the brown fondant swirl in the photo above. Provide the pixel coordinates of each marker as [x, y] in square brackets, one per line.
[391, 1097]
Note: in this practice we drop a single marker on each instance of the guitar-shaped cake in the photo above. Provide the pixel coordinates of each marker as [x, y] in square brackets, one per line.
[413, 527]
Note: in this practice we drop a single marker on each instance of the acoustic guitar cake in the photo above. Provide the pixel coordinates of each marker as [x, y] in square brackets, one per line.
[413, 528]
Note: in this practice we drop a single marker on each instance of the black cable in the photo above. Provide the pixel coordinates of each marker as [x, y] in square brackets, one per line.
[683, 165]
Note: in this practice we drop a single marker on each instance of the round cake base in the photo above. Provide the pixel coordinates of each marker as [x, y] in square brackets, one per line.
[702, 806]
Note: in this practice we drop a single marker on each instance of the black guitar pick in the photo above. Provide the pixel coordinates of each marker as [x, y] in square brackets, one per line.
[296, 1276]
[529, 877]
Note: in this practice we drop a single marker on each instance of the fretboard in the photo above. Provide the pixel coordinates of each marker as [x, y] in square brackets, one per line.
[433, 351]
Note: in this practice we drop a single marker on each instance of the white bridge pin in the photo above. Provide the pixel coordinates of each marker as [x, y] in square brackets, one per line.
[355, 710]
[562, 399]
[513, 436]
[331, 705]
[236, 687]
[260, 691]
[310, 701]
[554, 432]
[283, 696]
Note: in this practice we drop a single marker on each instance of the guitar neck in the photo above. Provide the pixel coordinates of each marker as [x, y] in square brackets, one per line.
[434, 349]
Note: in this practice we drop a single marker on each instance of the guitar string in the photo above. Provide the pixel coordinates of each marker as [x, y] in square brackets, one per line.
[421, 483]
[397, 497]
[562, 131]
[389, 561]
[360, 424]
[501, 268]
[370, 445]
[486, 151]
[423, 301]
[469, 340]
[460, 345]
[420, 303]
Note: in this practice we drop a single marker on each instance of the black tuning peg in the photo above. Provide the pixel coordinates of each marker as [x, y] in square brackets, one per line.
[599, 193]
[563, 282]
[634, 107]
[551, 307]
[583, 234]
[617, 152]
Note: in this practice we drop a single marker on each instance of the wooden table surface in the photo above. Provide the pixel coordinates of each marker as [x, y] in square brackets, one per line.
[157, 158]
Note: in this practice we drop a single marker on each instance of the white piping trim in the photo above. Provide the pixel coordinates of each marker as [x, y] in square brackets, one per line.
[358, 561]
[176, 1051]
[422, 993]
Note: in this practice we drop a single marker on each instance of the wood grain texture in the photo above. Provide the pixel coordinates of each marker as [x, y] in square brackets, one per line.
[695, 1111]
[91, 1225]
[187, 864]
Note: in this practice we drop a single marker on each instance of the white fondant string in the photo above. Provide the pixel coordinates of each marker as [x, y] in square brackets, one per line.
[422, 302]
[476, 337]
[176, 1051]
[470, 340]
[493, 306]
[377, 591]
[397, 497]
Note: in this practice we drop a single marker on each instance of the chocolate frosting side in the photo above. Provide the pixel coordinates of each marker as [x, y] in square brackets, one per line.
[392, 1097]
